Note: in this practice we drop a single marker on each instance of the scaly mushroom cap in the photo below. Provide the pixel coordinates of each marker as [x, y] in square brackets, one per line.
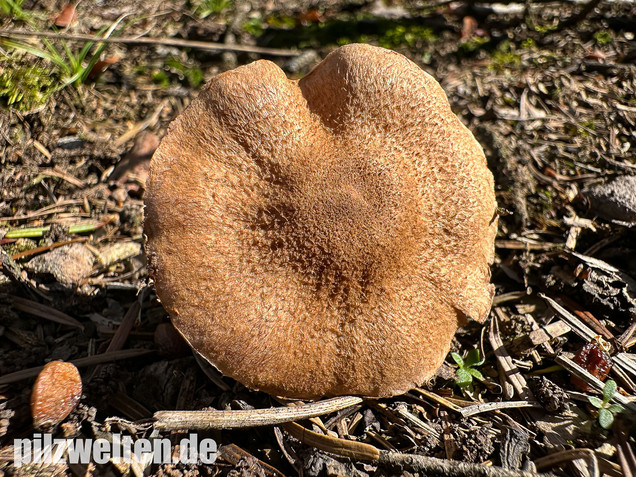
[325, 236]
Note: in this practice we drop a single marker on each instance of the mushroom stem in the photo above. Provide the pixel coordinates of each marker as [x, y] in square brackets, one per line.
[237, 419]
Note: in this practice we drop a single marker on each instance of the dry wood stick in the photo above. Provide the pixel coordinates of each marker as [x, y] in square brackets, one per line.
[131, 40]
[568, 455]
[505, 361]
[495, 406]
[593, 381]
[397, 460]
[237, 419]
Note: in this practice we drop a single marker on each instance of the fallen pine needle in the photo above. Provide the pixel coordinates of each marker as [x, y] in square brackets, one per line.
[80, 363]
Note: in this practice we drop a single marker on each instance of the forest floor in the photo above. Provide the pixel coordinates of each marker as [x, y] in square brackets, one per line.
[548, 89]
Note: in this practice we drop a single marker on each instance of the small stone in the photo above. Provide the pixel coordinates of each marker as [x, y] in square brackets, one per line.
[614, 200]
[70, 142]
[68, 264]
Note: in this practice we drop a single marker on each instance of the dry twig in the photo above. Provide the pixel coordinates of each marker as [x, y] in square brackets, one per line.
[238, 419]
[510, 371]
[130, 40]
[397, 460]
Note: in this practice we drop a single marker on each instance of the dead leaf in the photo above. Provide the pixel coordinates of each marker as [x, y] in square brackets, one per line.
[469, 27]
[67, 17]
[135, 164]
[101, 66]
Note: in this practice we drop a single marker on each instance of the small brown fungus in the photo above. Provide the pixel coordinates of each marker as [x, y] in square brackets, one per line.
[56, 392]
[325, 236]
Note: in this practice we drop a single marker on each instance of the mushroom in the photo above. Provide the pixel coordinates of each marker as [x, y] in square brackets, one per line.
[325, 236]
[56, 392]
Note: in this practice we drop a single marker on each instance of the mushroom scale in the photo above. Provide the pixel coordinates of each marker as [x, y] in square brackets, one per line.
[325, 236]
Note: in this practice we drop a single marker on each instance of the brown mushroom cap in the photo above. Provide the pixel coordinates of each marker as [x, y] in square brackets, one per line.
[325, 236]
[56, 392]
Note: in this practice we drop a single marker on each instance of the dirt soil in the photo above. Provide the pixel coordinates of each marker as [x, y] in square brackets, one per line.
[547, 88]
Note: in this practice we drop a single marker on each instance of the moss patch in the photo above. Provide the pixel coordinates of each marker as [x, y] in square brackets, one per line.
[24, 87]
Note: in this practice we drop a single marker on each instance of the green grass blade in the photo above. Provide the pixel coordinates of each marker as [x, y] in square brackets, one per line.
[85, 50]
[75, 64]
[30, 232]
[37, 232]
[57, 57]
[93, 61]
[35, 52]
